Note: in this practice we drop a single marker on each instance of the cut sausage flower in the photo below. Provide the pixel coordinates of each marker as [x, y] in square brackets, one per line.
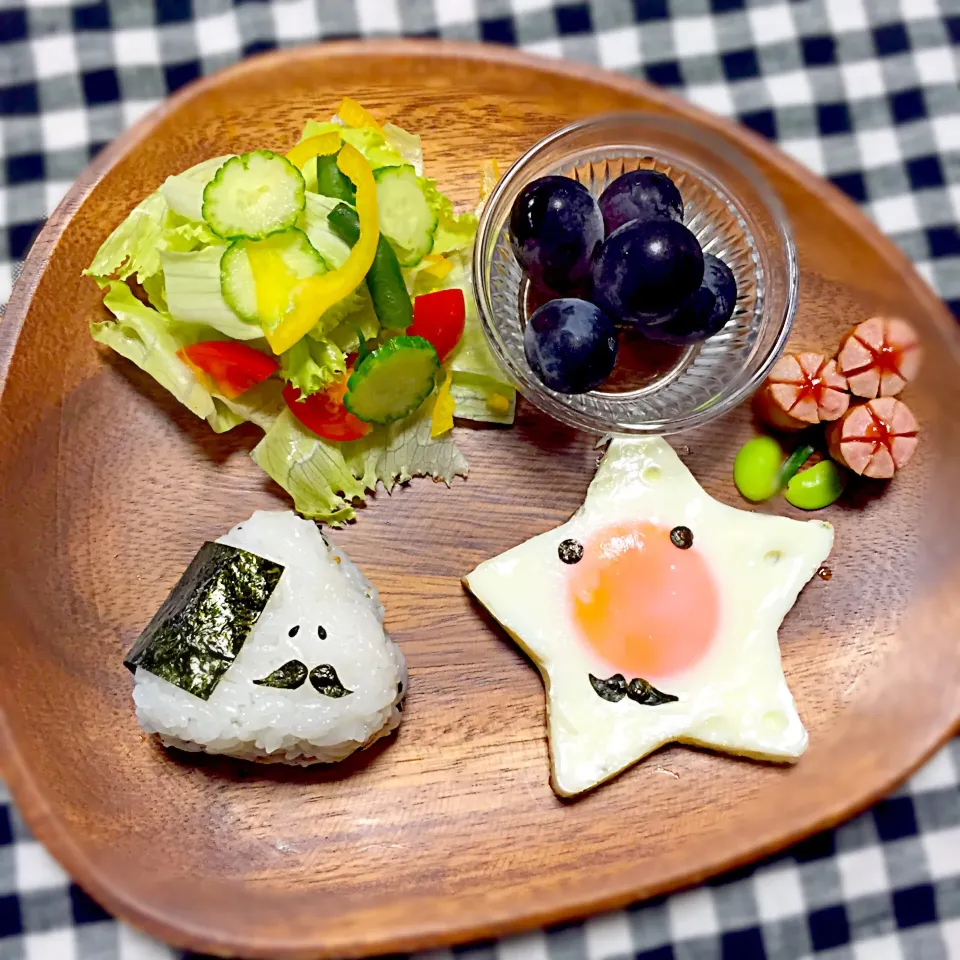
[879, 356]
[803, 389]
[874, 439]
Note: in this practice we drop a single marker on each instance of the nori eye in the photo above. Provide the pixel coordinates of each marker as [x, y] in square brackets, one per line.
[325, 680]
[613, 689]
[682, 537]
[290, 676]
[570, 551]
[639, 691]
[294, 631]
[195, 636]
[321, 633]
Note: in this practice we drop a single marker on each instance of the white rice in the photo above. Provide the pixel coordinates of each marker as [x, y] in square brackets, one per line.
[320, 587]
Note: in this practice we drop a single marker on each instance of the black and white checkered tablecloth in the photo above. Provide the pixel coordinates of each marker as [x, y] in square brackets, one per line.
[864, 92]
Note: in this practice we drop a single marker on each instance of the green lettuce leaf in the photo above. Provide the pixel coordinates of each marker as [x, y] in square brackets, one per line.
[153, 287]
[477, 377]
[324, 478]
[311, 364]
[475, 398]
[192, 292]
[137, 244]
[314, 223]
[408, 145]
[371, 143]
[134, 246]
[184, 192]
[261, 404]
[455, 231]
[151, 341]
[183, 236]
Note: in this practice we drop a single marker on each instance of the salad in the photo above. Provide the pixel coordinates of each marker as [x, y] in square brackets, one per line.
[323, 295]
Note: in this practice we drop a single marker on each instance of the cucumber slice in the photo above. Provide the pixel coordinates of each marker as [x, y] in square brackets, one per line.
[393, 380]
[254, 195]
[291, 258]
[406, 219]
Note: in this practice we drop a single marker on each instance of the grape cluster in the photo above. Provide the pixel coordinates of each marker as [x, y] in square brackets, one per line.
[624, 261]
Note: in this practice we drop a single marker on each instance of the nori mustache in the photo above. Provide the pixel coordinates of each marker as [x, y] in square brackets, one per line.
[615, 688]
[293, 674]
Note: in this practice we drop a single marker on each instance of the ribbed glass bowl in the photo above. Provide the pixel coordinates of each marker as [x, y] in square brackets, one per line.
[655, 389]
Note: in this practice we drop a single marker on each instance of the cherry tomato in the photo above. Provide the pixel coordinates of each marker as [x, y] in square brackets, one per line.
[439, 317]
[325, 414]
[233, 367]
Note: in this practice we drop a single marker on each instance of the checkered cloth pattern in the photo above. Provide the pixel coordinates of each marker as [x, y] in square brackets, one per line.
[864, 92]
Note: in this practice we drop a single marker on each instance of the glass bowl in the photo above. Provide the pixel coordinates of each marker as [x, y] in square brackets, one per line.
[734, 213]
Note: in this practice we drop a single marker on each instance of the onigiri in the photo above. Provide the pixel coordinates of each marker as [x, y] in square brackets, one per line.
[314, 678]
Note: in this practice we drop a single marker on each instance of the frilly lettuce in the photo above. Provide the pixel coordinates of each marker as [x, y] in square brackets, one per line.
[134, 247]
[325, 478]
[408, 145]
[311, 364]
[455, 231]
[371, 143]
[151, 341]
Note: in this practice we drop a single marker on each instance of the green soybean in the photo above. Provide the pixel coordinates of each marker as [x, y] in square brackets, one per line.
[817, 487]
[756, 469]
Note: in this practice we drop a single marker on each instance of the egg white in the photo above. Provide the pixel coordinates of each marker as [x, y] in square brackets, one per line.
[735, 699]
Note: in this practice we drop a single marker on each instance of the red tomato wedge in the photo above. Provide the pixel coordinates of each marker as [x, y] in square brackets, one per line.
[439, 317]
[325, 414]
[233, 367]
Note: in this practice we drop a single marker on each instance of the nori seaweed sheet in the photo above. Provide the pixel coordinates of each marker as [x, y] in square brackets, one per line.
[200, 628]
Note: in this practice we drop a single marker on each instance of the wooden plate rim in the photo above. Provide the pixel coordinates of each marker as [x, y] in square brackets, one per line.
[14, 767]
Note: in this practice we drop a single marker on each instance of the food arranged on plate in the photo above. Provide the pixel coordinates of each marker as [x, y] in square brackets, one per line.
[270, 647]
[625, 260]
[323, 295]
[652, 615]
[868, 430]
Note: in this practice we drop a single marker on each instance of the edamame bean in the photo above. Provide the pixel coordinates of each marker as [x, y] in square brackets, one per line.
[817, 487]
[756, 469]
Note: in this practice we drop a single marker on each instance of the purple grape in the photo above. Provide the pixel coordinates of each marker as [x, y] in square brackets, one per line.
[704, 312]
[640, 195]
[571, 345]
[556, 231]
[645, 270]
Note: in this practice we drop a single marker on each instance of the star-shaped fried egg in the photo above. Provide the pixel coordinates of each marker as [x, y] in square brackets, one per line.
[653, 615]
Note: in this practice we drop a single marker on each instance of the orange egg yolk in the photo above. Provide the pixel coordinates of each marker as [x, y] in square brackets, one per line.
[644, 606]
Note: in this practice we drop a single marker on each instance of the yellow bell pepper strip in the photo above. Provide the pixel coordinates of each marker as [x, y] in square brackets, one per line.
[319, 146]
[355, 115]
[438, 266]
[442, 419]
[312, 296]
[273, 282]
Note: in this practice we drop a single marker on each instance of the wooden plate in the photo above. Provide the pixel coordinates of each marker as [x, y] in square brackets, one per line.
[450, 832]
